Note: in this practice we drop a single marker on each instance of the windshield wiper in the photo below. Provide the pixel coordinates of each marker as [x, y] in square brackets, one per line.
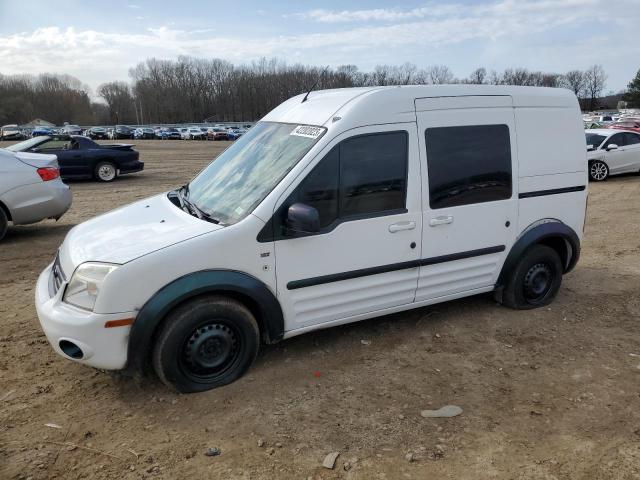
[191, 208]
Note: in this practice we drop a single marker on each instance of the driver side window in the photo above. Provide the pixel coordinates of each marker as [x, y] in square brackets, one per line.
[363, 176]
[617, 139]
[54, 145]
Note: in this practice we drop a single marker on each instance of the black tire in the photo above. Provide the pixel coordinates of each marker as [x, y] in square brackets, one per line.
[105, 171]
[598, 171]
[536, 279]
[206, 343]
[4, 223]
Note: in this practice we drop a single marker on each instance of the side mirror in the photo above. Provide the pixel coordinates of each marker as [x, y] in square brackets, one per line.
[302, 218]
[35, 149]
[612, 146]
[589, 148]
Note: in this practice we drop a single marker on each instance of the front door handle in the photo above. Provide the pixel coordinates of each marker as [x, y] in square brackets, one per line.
[398, 227]
[441, 220]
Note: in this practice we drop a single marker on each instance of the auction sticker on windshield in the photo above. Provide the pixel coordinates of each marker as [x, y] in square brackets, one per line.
[307, 131]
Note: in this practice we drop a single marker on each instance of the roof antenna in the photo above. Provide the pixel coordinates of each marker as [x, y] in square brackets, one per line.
[315, 84]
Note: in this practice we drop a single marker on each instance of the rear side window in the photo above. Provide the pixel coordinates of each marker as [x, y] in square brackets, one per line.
[469, 164]
[632, 138]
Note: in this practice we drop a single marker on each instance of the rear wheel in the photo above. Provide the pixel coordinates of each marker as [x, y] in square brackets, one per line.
[598, 171]
[4, 223]
[206, 343]
[536, 279]
[105, 171]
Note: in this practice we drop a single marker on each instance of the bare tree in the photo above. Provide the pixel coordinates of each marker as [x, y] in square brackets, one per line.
[595, 81]
[478, 76]
[439, 74]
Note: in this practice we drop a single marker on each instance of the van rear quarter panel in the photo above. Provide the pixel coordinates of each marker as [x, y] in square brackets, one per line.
[551, 154]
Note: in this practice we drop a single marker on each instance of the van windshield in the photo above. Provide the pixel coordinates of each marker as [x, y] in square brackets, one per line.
[244, 174]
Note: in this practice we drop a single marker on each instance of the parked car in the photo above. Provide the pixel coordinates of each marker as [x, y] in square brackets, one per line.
[144, 133]
[611, 152]
[217, 133]
[195, 133]
[168, 133]
[30, 189]
[366, 217]
[97, 133]
[71, 130]
[11, 132]
[81, 157]
[184, 133]
[121, 132]
[39, 131]
[629, 125]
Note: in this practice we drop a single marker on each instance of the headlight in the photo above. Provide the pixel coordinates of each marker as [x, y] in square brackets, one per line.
[85, 283]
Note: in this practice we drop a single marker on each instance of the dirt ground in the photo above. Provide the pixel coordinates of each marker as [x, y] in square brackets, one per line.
[547, 394]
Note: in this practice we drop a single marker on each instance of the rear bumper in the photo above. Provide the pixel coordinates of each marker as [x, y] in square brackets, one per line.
[35, 202]
[99, 347]
[131, 167]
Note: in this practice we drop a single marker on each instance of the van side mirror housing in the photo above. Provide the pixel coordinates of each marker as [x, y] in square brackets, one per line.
[302, 218]
[612, 146]
[590, 148]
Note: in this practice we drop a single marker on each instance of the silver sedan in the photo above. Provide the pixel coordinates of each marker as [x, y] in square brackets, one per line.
[30, 189]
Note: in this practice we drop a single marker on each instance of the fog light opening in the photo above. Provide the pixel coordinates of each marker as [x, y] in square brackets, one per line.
[70, 349]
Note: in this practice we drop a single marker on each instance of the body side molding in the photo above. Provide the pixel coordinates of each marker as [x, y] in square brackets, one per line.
[363, 272]
[215, 281]
[552, 191]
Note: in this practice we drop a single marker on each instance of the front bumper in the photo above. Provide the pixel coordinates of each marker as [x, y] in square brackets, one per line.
[100, 347]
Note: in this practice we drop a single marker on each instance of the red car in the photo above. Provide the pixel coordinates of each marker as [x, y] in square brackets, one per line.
[632, 124]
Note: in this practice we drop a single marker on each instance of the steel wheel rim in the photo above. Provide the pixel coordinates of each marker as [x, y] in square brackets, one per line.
[538, 282]
[106, 172]
[598, 170]
[210, 350]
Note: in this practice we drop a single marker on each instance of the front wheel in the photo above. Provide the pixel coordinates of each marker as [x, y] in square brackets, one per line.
[536, 279]
[598, 171]
[106, 171]
[206, 343]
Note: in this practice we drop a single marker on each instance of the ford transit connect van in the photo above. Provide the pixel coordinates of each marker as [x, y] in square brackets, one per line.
[340, 206]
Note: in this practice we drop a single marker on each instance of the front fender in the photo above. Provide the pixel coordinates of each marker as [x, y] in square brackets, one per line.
[261, 300]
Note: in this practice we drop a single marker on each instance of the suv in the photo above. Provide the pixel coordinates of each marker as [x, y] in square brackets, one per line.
[337, 206]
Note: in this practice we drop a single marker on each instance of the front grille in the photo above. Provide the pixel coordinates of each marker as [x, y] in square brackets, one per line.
[57, 274]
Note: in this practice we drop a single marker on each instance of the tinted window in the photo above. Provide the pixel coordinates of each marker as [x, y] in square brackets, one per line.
[363, 175]
[594, 139]
[470, 164]
[617, 139]
[373, 173]
[632, 138]
[320, 189]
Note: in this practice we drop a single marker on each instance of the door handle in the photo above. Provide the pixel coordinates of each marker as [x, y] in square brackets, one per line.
[441, 220]
[398, 227]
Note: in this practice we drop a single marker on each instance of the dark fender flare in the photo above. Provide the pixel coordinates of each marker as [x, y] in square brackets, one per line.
[540, 233]
[240, 285]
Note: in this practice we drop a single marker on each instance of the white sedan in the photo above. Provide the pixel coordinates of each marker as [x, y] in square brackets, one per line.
[610, 152]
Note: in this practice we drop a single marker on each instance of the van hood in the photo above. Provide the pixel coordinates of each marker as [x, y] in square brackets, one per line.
[130, 232]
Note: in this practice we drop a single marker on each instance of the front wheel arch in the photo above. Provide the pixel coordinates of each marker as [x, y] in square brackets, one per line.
[250, 291]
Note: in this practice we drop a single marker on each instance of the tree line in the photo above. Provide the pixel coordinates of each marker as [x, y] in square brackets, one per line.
[192, 89]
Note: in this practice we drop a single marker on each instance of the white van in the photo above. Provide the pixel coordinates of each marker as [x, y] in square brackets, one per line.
[345, 205]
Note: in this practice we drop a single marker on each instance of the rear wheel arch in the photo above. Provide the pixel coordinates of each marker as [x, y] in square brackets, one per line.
[244, 288]
[549, 232]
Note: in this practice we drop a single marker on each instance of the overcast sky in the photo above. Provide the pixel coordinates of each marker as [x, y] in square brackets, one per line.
[98, 41]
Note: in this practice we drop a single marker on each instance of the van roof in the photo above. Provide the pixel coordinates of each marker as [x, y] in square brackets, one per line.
[397, 103]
